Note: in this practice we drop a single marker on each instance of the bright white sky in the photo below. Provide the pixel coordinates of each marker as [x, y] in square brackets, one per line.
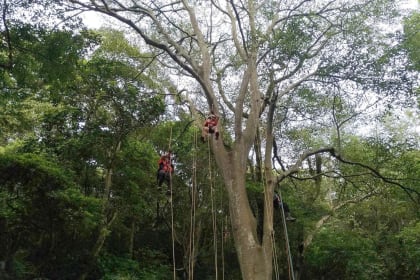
[94, 20]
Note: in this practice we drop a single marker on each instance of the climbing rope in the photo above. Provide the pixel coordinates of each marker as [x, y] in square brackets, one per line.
[275, 258]
[223, 248]
[286, 236]
[289, 255]
[193, 210]
[269, 203]
[172, 212]
[214, 218]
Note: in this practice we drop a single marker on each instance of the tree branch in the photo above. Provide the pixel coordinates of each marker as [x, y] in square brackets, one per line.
[324, 219]
[296, 167]
[9, 63]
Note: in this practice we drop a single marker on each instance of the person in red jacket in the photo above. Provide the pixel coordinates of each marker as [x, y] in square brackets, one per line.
[210, 126]
[165, 170]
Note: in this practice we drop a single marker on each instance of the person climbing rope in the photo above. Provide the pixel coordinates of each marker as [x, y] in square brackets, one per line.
[277, 205]
[165, 170]
[210, 126]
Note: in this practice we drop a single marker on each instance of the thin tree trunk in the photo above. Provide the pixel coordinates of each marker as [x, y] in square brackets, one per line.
[106, 221]
[132, 233]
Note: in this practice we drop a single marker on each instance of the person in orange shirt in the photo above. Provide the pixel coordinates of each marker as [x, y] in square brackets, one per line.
[210, 126]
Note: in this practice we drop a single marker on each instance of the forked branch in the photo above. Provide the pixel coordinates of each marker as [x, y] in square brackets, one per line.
[332, 152]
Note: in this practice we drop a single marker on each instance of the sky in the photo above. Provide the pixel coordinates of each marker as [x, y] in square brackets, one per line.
[94, 20]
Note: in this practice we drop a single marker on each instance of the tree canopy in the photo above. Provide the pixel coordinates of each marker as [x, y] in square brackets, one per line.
[318, 101]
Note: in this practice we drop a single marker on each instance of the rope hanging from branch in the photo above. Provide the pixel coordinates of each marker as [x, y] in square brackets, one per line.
[213, 211]
[172, 213]
[286, 236]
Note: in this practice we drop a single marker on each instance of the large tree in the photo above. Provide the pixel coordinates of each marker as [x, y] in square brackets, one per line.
[256, 63]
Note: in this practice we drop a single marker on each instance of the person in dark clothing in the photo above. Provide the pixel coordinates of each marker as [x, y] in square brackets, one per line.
[277, 203]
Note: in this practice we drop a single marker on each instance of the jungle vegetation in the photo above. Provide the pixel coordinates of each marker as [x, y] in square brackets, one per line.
[318, 101]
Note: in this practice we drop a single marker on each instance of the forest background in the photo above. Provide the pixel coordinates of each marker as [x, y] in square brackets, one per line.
[318, 101]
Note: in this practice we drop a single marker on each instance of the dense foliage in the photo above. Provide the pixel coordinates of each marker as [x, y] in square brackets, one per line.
[84, 119]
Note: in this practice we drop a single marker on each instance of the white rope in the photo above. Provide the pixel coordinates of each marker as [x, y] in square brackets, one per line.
[172, 213]
[269, 203]
[289, 255]
[214, 218]
[193, 210]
